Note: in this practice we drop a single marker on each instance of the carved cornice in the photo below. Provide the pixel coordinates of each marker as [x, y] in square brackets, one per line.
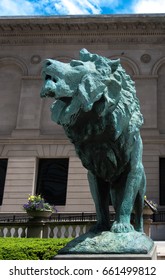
[83, 29]
[133, 24]
[11, 141]
[145, 77]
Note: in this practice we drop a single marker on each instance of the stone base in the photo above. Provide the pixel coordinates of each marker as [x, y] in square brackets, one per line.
[107, 242]
[150, 256]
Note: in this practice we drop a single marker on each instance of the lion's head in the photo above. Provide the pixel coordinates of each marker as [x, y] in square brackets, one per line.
[77, 86]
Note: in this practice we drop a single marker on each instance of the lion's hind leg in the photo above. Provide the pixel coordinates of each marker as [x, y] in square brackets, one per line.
[139, 204]
[138, 211]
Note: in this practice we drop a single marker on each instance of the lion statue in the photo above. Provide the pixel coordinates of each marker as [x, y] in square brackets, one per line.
[95, 102]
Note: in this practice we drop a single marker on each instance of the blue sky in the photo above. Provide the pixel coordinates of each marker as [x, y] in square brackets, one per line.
[79, 7]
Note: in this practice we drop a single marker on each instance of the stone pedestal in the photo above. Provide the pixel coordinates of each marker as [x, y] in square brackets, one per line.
[149, 256]
[37, 229]
[107, 242]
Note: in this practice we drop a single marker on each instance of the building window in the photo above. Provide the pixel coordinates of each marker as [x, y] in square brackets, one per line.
[52, 180]
[3, 168]
[162, 181]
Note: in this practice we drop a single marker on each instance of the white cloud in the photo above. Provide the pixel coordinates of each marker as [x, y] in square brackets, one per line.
[76, 7]
[34, 7]
[72, 7]
[53, 7]
[79, 7]
[12, 7]
[149, 6]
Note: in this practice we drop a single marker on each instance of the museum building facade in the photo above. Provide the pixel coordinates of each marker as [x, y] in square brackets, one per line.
[35, 154]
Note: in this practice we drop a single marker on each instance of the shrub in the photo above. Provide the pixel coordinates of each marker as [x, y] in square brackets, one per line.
[30, 248]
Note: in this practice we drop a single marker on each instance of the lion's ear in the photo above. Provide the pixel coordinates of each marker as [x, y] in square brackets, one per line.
[87, 56]
[114, 64]
[90, 91]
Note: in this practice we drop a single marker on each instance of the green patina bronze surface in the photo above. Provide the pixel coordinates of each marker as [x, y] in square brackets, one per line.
[107, 242]
[95, 102]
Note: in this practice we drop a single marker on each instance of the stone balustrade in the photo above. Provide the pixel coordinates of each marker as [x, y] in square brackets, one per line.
[13, 229]
[58, 226]
[43, 229]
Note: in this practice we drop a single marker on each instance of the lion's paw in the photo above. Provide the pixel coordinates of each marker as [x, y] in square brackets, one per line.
[121, 227]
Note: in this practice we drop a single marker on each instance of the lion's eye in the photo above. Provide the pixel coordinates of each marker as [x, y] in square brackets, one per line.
[74, 63]
[48, 63]
[48, 77]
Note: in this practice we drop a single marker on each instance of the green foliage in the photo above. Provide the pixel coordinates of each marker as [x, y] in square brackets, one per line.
[30, 248]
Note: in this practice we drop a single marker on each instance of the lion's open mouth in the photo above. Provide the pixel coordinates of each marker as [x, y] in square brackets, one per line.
[49, 87]
[66, 100]
[50, 90]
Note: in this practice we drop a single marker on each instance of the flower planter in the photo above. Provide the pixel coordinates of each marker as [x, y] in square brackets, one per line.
[37, 208]
[39, 214]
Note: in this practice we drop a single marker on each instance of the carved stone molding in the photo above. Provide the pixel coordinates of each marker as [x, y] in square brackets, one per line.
[37, 77]
[69, 24]
[86, 30]
[16, 61]
[145, 58]
[32, 141]
[84, 39]
[145, 77]
[35, 59]
[157, 66]
[82, 29]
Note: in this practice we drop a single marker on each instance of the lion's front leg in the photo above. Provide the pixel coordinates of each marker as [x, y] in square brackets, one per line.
[100, 193]
[123, 199]
[123, 215]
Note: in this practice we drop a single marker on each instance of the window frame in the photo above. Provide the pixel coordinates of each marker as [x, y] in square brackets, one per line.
[162, 181]
[2, 188]
[39, 190]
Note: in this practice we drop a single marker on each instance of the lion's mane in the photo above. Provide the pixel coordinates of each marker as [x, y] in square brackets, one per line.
[108, 119]
[109, 96]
